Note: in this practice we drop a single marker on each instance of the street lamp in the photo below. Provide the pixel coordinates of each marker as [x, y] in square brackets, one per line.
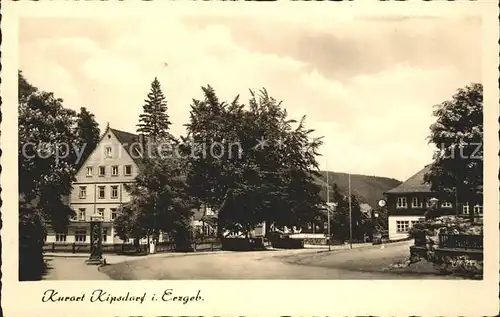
[95, 257]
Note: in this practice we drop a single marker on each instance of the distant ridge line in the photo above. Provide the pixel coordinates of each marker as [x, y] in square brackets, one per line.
[367, 188]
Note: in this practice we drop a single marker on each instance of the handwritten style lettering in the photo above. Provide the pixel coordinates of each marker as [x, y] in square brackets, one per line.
[168, 296]
[52, 295]
[100, 295]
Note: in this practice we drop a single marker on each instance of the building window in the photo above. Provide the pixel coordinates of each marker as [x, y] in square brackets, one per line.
[114, 192]
[402, 226]
[108, 151]
[83, 192]
[428, 203]
[81, 214]
[89, 171]
[414, 222]
[127, 170]
[100, 212]
[416, 202]
[80, 236]
[104, 235]
[60, 236]
[114, 170]
[325, 225]
[113, 213]
[446, 204]
[465, 208]
[401, 203]
[101, 192]
[102, 171]
[478, 210]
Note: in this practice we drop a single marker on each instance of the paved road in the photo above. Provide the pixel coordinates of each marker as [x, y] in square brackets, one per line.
[363, 263]
[71, 268]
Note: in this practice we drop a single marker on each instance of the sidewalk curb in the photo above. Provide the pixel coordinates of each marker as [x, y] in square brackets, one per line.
[65, 255]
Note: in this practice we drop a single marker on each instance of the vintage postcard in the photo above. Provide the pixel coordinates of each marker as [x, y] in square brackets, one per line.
[244, 158]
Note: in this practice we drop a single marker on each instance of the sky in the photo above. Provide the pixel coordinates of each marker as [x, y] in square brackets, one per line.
[367, 85]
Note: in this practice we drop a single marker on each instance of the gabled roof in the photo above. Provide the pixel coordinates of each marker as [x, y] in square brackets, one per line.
[130, 143]
[414, 184]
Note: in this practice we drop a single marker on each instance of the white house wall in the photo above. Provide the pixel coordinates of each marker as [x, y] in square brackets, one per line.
[393, 234]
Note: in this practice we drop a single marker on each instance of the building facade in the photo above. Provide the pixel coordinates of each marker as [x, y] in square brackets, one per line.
[99, 188]
[408, 202]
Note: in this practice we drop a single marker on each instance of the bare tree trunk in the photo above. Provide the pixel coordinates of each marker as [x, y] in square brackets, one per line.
[221, 208]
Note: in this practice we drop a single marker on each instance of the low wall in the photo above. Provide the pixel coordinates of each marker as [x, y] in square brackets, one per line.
[242, 244]
[287, 243]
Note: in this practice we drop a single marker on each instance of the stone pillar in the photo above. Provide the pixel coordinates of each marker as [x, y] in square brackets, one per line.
[95, 257]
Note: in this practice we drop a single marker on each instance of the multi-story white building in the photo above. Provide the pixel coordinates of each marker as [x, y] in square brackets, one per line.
[99, 186]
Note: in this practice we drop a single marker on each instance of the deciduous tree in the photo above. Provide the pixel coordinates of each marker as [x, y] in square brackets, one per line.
[46, 169]
[458, 135]
[268, 176]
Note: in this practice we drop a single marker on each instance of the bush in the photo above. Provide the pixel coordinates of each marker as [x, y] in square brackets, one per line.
[426, 235]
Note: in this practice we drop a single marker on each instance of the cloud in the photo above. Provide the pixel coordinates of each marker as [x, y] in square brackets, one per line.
[360, 87]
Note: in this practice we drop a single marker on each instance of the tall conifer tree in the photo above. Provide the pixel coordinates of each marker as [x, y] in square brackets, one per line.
[154, 122]
[87, 132]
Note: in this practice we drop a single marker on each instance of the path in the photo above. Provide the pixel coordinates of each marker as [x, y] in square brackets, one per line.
[71, 268]
[363, 263]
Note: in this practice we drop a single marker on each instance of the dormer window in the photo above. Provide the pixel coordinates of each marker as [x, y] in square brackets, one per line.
[401, 203]
[478, 209]
[446, 204]
[416, 203]
[465, 208]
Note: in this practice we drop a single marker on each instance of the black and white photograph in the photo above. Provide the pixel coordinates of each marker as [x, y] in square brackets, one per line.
[217, 146]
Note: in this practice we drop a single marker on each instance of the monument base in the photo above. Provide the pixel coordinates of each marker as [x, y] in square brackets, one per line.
[96, 261]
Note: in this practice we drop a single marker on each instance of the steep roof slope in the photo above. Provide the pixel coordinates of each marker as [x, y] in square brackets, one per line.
[130, 143]
[414, 184]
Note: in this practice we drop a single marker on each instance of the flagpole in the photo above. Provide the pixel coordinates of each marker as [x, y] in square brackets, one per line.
[327, 204]
[350, 212]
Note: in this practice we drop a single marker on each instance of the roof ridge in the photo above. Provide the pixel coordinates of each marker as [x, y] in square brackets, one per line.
[121, 131]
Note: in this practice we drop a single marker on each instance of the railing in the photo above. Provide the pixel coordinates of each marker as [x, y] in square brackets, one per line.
[128, 248]
[461, 241]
